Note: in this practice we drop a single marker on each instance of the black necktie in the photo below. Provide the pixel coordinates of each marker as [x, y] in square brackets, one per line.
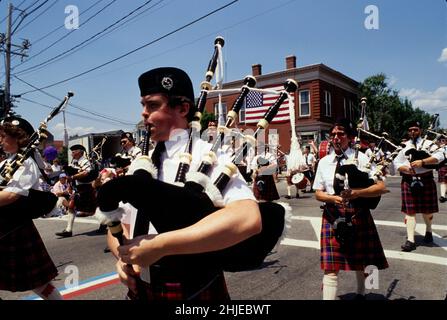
[156, 155]
[338, 184]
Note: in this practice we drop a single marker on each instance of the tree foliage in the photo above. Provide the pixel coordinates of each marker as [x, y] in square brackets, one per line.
[387, 111]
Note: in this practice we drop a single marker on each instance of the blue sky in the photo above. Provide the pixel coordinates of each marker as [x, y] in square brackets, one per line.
[410, 47]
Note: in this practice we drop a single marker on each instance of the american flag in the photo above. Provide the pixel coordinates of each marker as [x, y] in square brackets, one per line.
[257, 103]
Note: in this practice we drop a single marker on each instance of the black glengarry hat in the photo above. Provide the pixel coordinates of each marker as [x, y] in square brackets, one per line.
[77, 147]
[19, 123]
[414, 123]
[347, 125]
[128, 136]
[168, 80]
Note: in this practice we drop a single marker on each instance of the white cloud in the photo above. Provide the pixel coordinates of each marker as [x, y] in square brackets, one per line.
[392, 80]
[58, 131]
[430, 101]
[427, 100]
[443, 57]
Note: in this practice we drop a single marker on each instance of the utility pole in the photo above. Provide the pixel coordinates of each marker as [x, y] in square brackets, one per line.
[7, 42]
[65, 132]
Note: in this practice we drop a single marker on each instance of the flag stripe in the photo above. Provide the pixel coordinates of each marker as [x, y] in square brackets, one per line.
[257, 104]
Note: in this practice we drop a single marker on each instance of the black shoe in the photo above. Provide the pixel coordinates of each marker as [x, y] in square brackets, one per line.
[428, 237]
[297, 196]
[408, 246]
[288, 197]
[106, 250]
[102, 229]
[442, 199]
[359, 297]
[64, 234]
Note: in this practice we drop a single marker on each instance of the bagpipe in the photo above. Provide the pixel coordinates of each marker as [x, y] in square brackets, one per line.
[37, 203]
[95, 158]
[360, 179]
[194, 196]
[426, 150]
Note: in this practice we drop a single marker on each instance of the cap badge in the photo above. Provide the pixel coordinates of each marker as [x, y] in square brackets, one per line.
[15, 122]
[167, 83]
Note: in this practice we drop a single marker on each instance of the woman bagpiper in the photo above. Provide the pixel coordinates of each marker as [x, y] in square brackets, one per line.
[344, 247]
[25, 263]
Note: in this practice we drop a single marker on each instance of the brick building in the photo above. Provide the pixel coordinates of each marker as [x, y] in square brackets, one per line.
[323, 95]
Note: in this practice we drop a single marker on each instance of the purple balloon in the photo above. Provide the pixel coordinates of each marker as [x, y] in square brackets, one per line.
[50, 153]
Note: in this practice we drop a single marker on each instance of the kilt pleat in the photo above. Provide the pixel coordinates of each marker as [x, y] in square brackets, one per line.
[86, 200]
[268, 191]
[442, 174]
[24, 261]
[216, 290]
[424, 201]
[364, 249]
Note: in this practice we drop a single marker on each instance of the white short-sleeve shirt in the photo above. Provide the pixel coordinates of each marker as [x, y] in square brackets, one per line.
[26, 177]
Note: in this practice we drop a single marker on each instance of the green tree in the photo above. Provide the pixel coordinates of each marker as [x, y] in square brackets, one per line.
[387, 111]
[206, 118]
[62, 156]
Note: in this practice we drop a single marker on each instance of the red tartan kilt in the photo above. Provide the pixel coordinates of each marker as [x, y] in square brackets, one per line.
[269, 191]
[425, 201]
[442, 174]
[86, 201]
[215, 291]
[24, 261]
[365, 248]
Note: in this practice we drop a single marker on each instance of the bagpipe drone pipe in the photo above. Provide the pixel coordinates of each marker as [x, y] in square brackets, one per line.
[37, 203]
[169, 207]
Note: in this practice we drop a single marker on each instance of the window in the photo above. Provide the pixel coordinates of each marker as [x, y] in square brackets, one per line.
[351, 110]
[345, 107]
[242, 114]
[304, 103]
[221, 118]
[327, 103]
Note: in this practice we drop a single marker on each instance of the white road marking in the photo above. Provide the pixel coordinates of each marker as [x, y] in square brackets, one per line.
[420, 228]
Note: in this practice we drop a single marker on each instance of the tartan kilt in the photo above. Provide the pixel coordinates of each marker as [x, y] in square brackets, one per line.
[86, 201]
[215, 291]
[425, 201]
[442, 174]
[364, 249]
[269, 191]
[24, 261]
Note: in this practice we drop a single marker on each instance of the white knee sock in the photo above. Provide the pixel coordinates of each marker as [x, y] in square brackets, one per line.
[289, 191]
[70, 222]
[330, 287]
[428, 218]
[48, 292]
[411, 226]
[442, 188]
[360, 275]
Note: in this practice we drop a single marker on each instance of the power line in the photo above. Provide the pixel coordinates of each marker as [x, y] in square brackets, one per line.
[137, 49]
[40, 14]
[97, 114]
[62, 26]
[24, 14]
[48, 61]
[74, 114]
[60, 39]
[103, 35]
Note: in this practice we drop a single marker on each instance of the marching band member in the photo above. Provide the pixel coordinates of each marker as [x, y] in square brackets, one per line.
[25, 263]
[264, 166]
[418, 188]
[167, 98]
[359, 246]
[84, 200]
[309, 171]
[442, 172]
[129, 147]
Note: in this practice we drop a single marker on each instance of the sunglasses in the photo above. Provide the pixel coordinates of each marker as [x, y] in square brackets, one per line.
[338, 134]
[415, 130]
[123, 141]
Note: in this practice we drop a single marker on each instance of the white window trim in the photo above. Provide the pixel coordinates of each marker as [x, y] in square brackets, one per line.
[308, 102]
[327, 103]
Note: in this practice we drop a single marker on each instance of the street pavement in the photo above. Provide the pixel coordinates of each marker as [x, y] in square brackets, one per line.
[291, 272]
